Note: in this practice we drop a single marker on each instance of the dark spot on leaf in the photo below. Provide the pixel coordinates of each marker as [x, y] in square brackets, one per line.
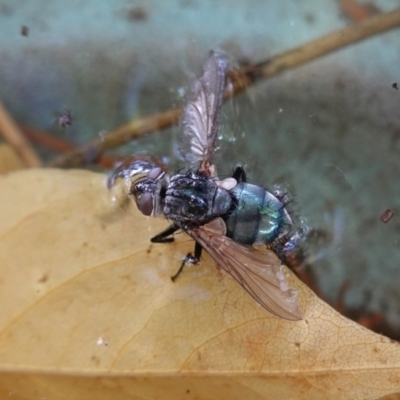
[95, 359]
[43, 279]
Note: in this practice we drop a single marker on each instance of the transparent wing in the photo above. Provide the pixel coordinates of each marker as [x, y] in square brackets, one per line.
[259, 272]
[200, 120]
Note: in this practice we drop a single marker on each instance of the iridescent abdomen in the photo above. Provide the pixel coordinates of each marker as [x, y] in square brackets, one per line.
[259, 216]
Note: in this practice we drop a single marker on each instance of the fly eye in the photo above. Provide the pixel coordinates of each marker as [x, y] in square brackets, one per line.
[146, 204]
[155, 173]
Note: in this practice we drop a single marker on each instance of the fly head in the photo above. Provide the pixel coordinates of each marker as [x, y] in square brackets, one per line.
[146, 182]
[149, 192]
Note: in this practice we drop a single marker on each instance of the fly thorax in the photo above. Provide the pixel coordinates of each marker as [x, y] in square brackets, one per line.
[194, 198]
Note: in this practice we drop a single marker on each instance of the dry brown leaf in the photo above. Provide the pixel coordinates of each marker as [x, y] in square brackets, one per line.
[9, 159]
[89, 312]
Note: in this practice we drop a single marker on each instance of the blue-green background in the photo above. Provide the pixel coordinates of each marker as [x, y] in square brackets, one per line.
[329, 131]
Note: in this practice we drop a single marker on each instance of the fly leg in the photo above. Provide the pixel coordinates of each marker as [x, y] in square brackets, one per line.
[163, 237]
[239, 174]
[190, 258]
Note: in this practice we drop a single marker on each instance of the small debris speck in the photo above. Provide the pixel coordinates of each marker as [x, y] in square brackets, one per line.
[387, 216]
[64, 118]
[309, 18]
[137, 13]
[24, 30]
[395, 86]
[101, 342]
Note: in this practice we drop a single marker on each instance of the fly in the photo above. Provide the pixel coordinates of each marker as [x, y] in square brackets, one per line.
[224, 217]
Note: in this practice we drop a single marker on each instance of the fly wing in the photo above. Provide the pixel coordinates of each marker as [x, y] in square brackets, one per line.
[200, 120]
[259, 272]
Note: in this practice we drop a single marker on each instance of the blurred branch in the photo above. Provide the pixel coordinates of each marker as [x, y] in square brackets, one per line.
[47, 140]
[89, 152]
[13, 135]
[241, 80]
[51, 142]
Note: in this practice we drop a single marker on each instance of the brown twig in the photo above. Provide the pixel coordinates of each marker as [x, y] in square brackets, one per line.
[356, 11]
[51, 142]
[89, 152]
[47, 140]
[242, 79]
[13, 135]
